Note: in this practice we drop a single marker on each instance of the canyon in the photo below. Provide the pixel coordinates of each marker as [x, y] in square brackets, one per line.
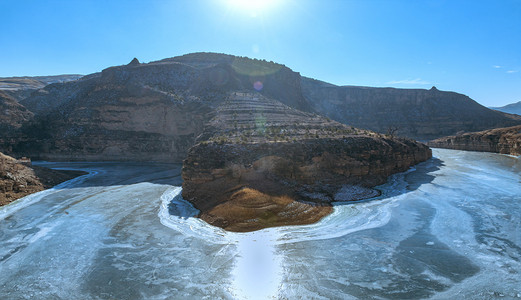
[155, 111]
[261, 145]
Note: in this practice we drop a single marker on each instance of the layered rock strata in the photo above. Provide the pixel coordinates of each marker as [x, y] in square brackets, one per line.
[260, 164]
[499, 140]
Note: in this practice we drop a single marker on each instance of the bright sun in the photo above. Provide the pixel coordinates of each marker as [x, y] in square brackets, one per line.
[252, 5]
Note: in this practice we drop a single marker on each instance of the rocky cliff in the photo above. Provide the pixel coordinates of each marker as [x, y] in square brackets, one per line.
[136, 112]
[155, 111]
[415, 113]
[260, 163]
[499, 140]
[19, 179]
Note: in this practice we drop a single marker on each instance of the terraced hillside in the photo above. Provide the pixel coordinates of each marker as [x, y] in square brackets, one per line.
[260, 163]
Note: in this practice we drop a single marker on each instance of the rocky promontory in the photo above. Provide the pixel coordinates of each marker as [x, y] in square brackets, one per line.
[19, 179]
[260, 163]
[499, 140]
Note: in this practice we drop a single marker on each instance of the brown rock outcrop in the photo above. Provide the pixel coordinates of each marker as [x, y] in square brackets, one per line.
[19, 179]
[499, 140]
[256, 155]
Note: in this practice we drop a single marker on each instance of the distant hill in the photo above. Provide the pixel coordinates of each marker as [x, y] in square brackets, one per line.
[20, 88]
[34, 82]
[514, 108]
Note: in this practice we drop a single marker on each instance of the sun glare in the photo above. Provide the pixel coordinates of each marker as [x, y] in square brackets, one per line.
[252, 5]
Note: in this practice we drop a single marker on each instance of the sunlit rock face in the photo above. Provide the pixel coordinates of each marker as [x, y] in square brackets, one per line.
[19, 179]
[499, 140]
[260, 164]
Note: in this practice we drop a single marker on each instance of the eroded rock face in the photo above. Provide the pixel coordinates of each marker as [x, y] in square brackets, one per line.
[134, 112]
[499, 140]
[19, 179]
[255, 152]
[295, 162]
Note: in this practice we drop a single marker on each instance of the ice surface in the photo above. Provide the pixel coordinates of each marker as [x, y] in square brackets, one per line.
[447, 229]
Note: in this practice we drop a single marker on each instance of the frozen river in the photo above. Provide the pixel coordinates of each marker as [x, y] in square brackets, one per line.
[448, 229]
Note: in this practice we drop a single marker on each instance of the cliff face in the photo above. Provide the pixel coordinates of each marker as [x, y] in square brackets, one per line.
[295, 163]
[255, 152]
[418, 114]
[499, 140]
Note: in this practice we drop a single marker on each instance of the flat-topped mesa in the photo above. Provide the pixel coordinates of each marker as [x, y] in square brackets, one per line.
[500, 140]
[260, 163]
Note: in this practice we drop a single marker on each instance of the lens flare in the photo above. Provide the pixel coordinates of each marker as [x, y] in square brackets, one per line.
[258, 85]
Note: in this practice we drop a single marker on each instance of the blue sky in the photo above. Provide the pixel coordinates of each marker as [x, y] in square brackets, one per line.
[471, 47]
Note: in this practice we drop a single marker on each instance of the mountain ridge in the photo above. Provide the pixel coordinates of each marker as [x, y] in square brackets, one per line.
[512, 108]
[97, 116]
